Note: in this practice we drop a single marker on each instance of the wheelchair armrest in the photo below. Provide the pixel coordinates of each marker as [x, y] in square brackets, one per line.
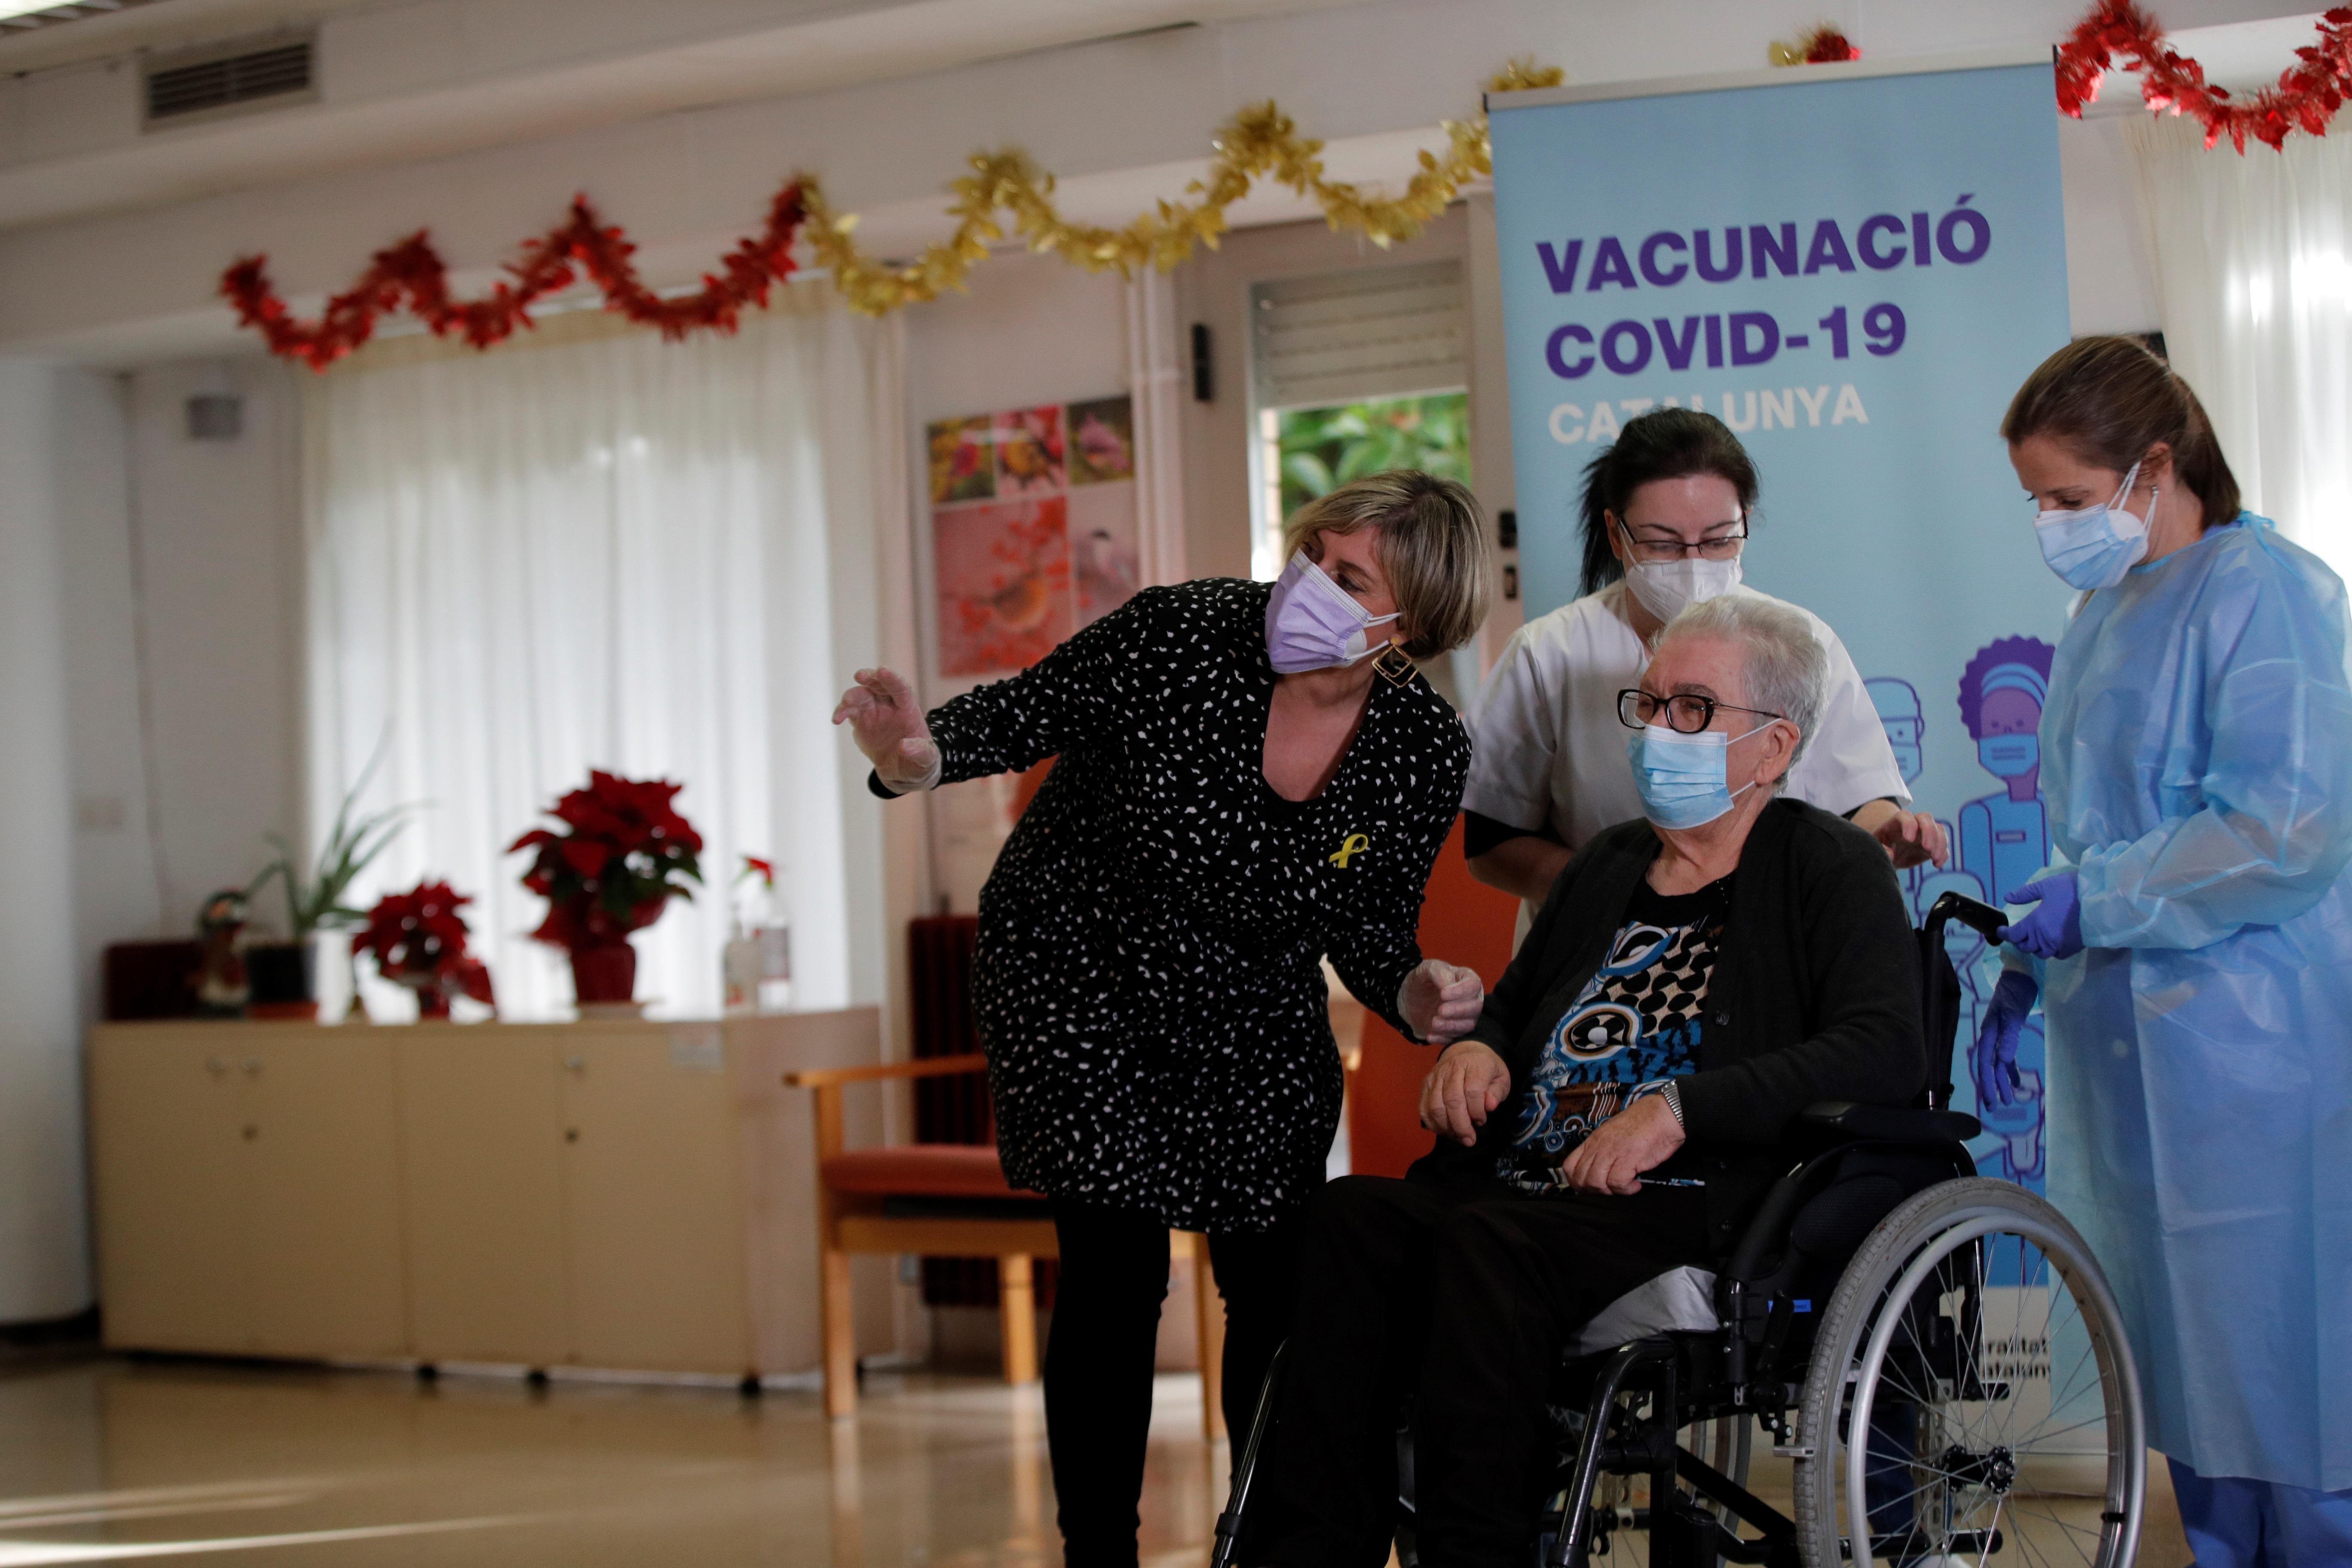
[1888, 1124]
[1834, 1126]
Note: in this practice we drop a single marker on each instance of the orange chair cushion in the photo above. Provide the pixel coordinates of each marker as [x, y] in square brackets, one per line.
[921, 1170]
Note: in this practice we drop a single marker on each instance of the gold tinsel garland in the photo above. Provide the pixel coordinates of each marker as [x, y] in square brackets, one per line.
[1259, 142]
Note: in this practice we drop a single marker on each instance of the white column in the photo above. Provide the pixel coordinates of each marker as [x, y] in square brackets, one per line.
[44, 1255]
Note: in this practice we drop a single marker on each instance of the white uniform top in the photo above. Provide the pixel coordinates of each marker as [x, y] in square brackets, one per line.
[1551, 754]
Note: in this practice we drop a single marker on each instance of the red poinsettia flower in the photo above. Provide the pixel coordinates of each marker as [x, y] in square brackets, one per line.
[763, 869]
[418, 936]
[627, 854]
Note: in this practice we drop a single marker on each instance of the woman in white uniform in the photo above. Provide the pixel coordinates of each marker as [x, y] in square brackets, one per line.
[1665, 516]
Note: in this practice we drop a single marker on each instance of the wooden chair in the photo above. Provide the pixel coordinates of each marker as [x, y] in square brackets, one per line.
[951, 1200]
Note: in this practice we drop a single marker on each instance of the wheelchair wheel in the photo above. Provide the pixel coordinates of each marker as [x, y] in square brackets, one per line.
[1971, 1394]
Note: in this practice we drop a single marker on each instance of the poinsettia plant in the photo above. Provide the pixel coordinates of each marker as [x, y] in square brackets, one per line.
[624, 852]
[419, 939]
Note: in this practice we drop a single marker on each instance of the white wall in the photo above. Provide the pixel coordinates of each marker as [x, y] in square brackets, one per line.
[44, 1263]
[216, 525]
[1032, 331]
[116, 893]
[171, 583]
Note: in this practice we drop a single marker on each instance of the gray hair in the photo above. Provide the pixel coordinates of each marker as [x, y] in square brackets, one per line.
[1432, 543]
[1786, 668]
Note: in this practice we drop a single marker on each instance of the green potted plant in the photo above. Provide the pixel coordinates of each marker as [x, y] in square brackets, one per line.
[283, 974]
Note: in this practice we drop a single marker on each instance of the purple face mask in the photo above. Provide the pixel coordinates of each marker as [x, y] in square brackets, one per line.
[1312, 623]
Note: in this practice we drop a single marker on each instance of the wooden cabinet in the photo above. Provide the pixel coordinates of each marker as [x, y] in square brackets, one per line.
[322, 1198]
[614, 1195]
[167, 1123]
[480, 1114]
[247, 1190]
[652, 1222]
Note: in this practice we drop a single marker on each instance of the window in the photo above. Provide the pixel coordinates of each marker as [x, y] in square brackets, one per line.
[1353, 373]
[614, 553]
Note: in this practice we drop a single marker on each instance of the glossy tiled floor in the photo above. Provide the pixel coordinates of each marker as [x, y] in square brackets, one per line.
[105, 1461]
[108, 1461]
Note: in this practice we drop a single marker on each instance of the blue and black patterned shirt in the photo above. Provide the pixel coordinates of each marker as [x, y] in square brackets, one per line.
[1635, 1025]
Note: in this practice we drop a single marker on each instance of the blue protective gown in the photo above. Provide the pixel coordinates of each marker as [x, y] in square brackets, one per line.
[2198, 767]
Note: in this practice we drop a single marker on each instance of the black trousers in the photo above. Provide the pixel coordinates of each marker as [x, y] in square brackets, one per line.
[1114, 1277]
[1461, 1298]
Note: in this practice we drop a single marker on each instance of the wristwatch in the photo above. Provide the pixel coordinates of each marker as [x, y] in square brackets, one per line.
[1673, 1095]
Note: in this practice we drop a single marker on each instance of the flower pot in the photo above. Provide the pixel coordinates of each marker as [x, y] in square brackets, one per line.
[280, 977]
[432, 1003]
[604, 974]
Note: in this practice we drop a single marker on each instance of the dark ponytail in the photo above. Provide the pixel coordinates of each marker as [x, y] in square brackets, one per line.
[1663, 444]
[2109, 400]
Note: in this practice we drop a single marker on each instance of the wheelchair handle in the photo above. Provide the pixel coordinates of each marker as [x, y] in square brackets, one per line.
[1979, 917]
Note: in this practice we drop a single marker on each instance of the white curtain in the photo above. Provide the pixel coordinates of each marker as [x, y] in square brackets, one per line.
[613, 553]
[2254, 261]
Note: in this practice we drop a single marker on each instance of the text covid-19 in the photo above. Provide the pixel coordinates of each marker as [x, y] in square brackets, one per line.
[1739, 340]
[1884, 242]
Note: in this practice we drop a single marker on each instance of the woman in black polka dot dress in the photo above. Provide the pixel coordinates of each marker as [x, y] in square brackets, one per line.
[1250, 777]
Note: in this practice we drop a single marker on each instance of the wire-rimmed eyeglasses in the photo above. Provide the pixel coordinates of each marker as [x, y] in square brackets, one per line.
[1653, 547]
[1687, 712]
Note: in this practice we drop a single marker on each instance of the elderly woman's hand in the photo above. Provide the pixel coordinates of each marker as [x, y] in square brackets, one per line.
[1468, 1082]
[882, 712]
[1442, 1001]
[1637, 1139]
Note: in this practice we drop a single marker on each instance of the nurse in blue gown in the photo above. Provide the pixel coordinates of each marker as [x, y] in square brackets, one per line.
[2193, 943]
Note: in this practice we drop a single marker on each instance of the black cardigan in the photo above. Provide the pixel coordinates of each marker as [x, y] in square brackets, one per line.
[1815, 996]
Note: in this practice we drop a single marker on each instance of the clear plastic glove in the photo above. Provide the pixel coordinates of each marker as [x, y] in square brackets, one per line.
[1442, 1001]
[1995, 1063]
[1913, 839]
[2054, 928]
[882, 712]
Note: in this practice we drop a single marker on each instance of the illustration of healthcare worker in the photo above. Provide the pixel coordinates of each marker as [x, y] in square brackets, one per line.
[2193, 946]
[2005, 836]
[1897, 702]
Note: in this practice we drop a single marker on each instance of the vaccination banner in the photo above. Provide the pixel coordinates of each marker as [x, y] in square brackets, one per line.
[1855, 272]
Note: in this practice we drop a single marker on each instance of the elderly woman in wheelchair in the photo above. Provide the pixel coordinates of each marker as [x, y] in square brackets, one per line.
[1691, 1099]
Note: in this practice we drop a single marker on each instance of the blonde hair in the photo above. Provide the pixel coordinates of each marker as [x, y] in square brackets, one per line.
[1432, 542]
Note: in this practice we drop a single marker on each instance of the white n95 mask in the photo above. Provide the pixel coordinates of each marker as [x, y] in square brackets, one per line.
[1312, 623]
[1665, 587]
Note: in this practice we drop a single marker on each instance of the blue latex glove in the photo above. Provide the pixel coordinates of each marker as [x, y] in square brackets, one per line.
[1996, 1052]
[2055, 929]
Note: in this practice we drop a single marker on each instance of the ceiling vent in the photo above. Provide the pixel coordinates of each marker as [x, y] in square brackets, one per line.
[235, 79]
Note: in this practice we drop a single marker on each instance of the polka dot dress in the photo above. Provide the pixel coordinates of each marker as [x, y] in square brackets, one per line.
[1148, 985]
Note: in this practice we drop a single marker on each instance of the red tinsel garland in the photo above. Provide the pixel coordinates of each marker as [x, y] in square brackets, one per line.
[2306, 99]
[412, 272]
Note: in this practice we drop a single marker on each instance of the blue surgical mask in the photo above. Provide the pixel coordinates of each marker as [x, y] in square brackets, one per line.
[2093, 548]
[2007, 756]
[1684, 779]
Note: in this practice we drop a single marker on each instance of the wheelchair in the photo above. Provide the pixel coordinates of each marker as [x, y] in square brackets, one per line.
[1936, 1353]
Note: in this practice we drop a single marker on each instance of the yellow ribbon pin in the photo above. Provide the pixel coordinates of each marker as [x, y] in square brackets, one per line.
[1355, 843]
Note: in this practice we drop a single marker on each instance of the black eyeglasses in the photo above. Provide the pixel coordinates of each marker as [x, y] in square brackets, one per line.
[1687, 712]
[1657, 548]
